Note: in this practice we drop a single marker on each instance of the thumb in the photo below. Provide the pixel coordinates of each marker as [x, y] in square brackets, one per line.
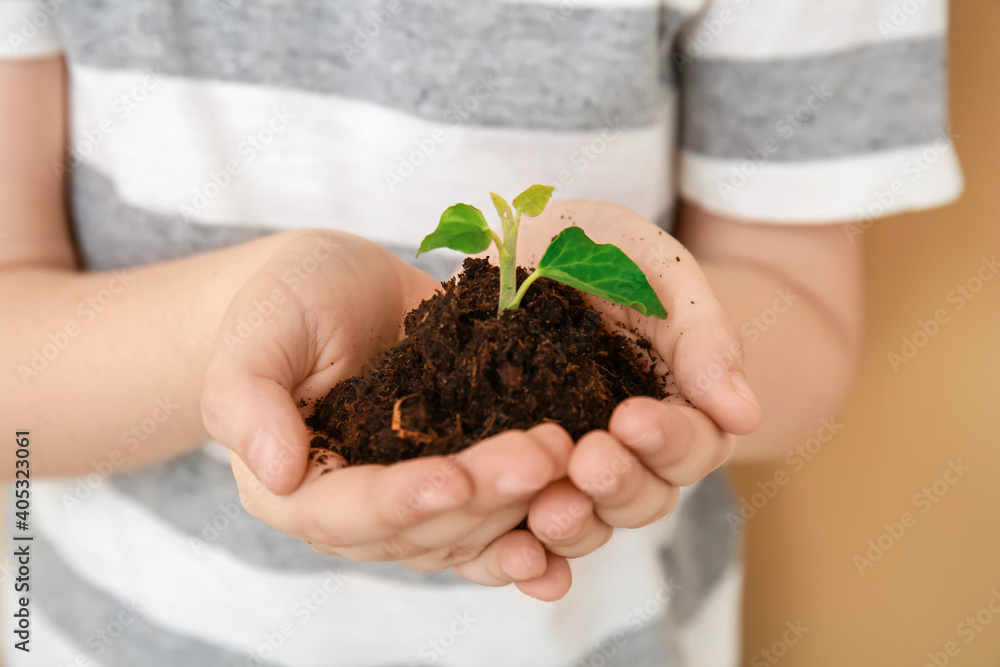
[344, 305]
[247, 403]
[257, 419]
[703, 349]
[708, 366]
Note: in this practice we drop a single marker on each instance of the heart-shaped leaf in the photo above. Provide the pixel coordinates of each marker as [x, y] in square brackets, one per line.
[600, 269]
[463, 228]
[532, 201]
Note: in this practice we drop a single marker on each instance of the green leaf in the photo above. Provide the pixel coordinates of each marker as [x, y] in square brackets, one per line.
[463, 228]
[502, 208]
[601, 269]
[532, 201]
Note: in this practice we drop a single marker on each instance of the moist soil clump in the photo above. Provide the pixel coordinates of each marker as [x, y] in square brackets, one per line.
[461, 374]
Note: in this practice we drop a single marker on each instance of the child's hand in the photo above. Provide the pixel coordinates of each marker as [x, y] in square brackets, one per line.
[628, 476]
[321, 308]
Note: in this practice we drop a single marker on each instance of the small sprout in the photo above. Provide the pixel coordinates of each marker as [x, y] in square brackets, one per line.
[572, 258]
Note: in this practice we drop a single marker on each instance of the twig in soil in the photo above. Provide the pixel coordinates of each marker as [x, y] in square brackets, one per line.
[397, 424]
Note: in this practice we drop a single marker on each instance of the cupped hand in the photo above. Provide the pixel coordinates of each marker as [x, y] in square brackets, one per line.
[324, 305]
[628, 475]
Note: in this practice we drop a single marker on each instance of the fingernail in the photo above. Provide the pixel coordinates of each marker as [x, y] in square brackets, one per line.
[742, 387]
[264, 458]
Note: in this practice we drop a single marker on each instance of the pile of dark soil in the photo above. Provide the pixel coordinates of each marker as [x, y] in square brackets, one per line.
[462, 374]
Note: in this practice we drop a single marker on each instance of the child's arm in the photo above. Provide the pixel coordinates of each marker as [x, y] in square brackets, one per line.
[88, 355]
[796, 293]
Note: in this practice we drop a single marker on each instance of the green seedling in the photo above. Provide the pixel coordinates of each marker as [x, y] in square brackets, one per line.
[572, 258]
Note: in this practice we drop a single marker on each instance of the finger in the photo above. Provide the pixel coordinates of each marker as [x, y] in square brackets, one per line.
[246, 405]
[511, 467]
[563, 518]
[680, 444]
[432, 544]
[448, 539]
[706, 359]
[267, 343]
[359, 505]
[557, 442]
[552, 585]
[506, 471]
[626, 493]
[516, 556]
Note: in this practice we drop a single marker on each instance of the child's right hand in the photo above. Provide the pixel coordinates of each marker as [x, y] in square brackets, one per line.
[314, 314]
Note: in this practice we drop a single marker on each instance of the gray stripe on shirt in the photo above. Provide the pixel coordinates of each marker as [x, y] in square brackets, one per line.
[703, 547]
[197, 495]
[651, 646]
[111, 631]
[532, 66]
[868, 99]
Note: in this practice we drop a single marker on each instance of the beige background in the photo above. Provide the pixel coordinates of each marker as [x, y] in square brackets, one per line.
[900, 430]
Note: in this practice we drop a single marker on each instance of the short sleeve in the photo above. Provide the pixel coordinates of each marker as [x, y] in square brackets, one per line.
[816, 111]
[27, 28]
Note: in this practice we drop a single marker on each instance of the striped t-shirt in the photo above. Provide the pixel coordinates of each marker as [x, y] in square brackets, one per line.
[197, 124]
